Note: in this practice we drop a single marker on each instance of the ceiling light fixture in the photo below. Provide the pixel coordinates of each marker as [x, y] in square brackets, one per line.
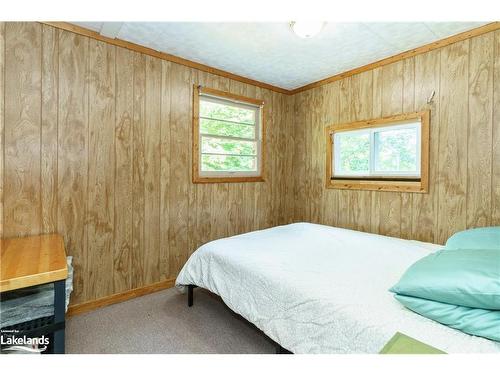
[306, 29]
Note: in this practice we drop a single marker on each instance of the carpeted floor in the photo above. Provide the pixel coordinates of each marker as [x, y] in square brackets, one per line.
[163, 323]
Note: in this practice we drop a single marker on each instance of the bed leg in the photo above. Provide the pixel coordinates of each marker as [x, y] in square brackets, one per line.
[190, 295]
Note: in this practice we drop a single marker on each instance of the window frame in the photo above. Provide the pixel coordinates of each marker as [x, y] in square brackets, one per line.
[381, 181]
[223, 176]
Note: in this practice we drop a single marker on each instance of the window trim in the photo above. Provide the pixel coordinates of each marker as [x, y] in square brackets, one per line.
[382, 183]
[218, 177]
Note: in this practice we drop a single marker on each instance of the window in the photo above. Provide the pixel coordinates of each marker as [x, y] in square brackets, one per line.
[387, 154]
[392, 151]
[227, 137]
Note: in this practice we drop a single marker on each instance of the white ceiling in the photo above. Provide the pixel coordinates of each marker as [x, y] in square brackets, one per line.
[272, 53]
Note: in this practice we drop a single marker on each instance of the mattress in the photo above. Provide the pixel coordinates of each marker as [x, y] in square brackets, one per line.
[319, 289]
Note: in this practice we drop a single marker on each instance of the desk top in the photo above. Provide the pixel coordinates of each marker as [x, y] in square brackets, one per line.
[33, 260]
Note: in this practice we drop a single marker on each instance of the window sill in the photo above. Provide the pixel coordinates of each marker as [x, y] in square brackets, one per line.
[215, 180]
[395, 186]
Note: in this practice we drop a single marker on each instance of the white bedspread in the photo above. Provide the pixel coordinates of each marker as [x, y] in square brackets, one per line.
[319, 289]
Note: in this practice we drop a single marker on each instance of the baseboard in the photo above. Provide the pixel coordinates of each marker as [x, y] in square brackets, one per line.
[119, 297]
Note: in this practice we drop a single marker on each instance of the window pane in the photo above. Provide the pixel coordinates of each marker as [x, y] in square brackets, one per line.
[353, 153]
[228, 163]
[226, 112]
[396, 150]
[211, 145]
[227, 129]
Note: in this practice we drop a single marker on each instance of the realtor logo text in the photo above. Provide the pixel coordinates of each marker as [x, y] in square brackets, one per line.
[10, 340]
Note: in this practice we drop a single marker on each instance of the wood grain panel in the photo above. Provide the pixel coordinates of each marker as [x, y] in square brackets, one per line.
[2, 122]
[331, 106]
[280, 189]
[124, 111]
[193, 172]
[152, 171]
[316, 157]
[273, 138]
[22, 129]
[166, 96]
[101, 164]
[289, 140]
[307, 155]
[138, 192]
[73, 153]
[495, 177]
[48, 158]
[180, 122]
[424, 206]
[480, 127]
[453, 139]
[298, 158]
[192, 238]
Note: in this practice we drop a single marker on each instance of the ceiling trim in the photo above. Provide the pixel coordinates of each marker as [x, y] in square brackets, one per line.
[162, 55]
[179, 60]
[403, 55]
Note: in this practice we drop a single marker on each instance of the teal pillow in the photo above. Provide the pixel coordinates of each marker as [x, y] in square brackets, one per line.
[477, 238]
[461, 277]
[477, 322]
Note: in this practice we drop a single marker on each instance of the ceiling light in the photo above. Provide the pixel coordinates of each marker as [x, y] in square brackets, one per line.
[306, 29]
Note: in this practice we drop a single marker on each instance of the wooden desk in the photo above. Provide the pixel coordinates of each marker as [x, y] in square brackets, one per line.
[33, 260]
[36, 260]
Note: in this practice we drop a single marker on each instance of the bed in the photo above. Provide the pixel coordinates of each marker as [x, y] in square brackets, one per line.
[318, 289]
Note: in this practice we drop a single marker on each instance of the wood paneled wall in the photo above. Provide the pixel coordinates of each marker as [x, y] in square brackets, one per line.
[464, 150]
[96, 144]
